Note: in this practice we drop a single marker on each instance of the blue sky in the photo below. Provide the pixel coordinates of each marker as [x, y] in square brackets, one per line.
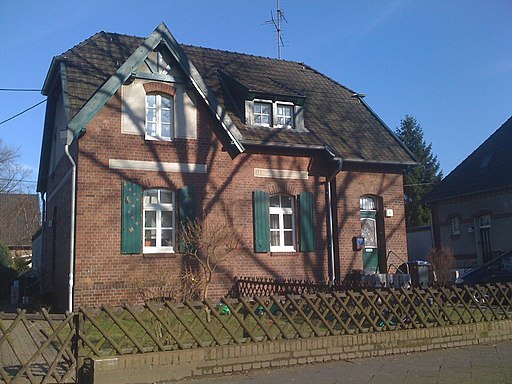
[448, 63]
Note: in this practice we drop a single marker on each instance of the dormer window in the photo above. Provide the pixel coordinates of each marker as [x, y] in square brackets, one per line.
[273, 114]
[263, 114]
[284, 116]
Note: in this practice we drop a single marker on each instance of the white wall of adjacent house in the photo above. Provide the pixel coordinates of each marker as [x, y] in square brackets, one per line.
[133, 120]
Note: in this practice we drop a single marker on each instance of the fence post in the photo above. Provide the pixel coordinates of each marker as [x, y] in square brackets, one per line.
[82, 370]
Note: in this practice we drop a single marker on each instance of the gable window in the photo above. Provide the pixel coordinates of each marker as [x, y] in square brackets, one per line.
[159, 117]
[282, 227]
[159, 221]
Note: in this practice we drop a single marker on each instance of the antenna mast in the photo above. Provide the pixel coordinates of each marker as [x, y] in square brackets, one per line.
[279, 41]
[277, 25]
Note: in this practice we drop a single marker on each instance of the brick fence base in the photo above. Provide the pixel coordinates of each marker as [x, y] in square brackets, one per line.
[176, 365]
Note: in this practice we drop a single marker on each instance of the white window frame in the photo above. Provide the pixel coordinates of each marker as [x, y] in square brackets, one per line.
[367, 203]
[281, 211]
[273, 116]
[158, 115]
[455, 225]
[263, 102]
[278, 116]
[159, 207]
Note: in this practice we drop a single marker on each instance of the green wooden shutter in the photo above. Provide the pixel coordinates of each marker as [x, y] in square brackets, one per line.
[187, 208]
[261, 222]
[131, 218]
[307, 233]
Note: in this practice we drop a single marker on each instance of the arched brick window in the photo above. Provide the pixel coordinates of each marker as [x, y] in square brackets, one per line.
[159, 111]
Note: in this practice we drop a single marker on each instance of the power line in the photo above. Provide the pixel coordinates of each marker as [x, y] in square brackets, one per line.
[18, 180]
[20, 90]
[22, 112]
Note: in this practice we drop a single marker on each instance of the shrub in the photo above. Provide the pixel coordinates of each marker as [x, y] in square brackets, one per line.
[443, 263]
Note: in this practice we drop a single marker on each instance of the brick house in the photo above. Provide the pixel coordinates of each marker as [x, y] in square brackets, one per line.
[143, 134]
[472, 206]
[19, 221]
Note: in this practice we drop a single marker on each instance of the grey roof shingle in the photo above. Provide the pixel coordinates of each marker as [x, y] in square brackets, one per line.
[488, 168]
[332, 116]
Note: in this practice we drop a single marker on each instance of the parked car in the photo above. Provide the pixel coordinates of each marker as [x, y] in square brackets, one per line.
[498, 270]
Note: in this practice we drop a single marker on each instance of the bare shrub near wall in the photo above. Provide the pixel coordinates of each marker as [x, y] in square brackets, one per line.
[160, 286]
[443, 263]
[208, 241]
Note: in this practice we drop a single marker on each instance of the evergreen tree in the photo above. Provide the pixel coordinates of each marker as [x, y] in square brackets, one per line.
[421, 179]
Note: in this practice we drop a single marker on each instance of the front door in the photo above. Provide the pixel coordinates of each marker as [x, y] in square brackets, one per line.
[369, 232]
[485, 238]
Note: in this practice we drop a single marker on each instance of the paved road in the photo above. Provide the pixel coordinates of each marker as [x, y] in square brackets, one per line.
[480, 364]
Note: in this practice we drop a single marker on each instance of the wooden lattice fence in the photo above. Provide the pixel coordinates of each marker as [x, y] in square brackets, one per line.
[37, 348]
[155, 327]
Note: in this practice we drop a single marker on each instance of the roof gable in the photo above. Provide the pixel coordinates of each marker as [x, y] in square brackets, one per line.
[486, 169]
[98, 47]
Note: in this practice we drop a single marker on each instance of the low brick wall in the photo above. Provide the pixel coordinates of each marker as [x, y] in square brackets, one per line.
[176, 365]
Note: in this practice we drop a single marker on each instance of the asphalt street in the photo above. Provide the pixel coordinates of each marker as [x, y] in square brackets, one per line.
[480, 364]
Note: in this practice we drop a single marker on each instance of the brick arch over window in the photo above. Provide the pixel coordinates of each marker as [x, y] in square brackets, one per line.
[482, 212]
[282, 189]
[157, 87]
[159, 182]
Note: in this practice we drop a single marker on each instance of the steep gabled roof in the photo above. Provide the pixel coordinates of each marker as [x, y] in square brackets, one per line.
[19, 219]
[488, 168]
[93, 71]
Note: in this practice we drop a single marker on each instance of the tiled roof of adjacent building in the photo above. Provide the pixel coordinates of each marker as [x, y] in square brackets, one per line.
[19, 219]
[488, 168]
[333, 117]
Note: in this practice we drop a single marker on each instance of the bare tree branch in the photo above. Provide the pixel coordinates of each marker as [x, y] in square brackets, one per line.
[12, 173]
[209, 241]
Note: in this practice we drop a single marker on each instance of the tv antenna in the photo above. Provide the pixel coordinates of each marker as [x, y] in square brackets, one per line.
[276, 22]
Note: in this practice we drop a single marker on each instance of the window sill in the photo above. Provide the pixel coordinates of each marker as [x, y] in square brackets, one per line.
[274, 127]
[155, 255]
[158, 139]
[283, 253]
[155, 250]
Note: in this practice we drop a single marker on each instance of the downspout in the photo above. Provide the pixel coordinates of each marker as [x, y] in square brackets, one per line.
[432, 240]
[72, 236]
[44, 223]
[331, 222]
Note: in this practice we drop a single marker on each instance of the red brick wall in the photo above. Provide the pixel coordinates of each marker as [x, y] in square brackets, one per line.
[104, 275]
[56, 244]
[388, 188]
